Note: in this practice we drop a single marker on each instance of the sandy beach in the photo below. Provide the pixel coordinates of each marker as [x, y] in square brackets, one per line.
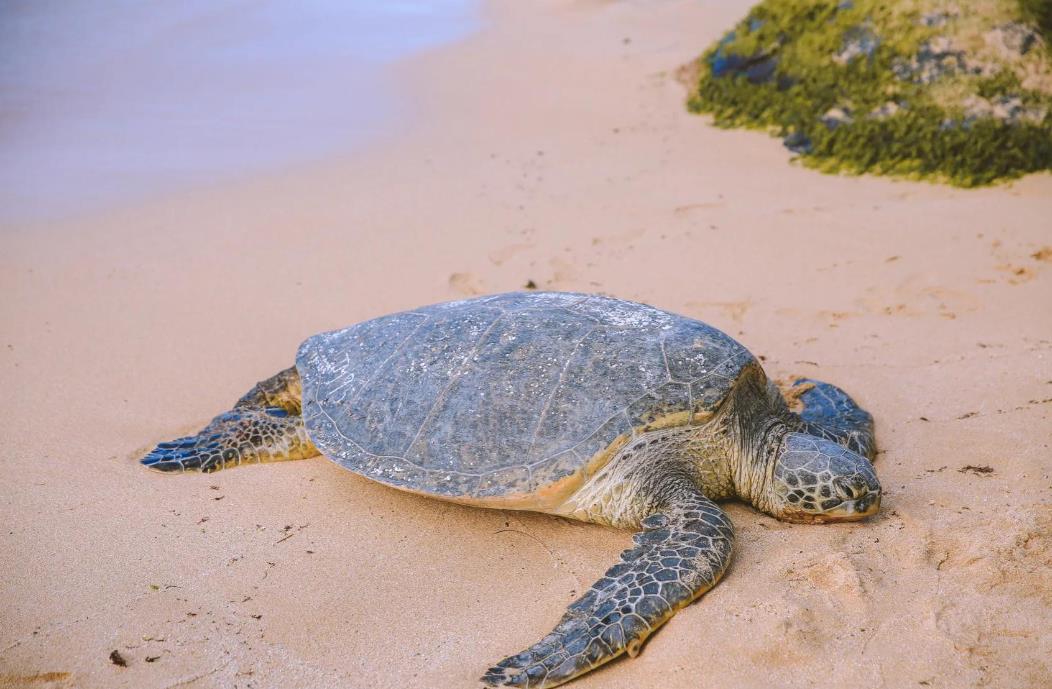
[551, 146]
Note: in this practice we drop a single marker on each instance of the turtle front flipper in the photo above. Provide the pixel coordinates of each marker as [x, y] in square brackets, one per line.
[680, 554]
[264, 426]
[830, 413]
[283, 390]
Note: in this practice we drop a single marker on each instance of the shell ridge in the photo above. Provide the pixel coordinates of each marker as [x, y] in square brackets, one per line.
[372, 455]
[664, 356]
[581, 302]
[453, 379]
[572, 451]
[577, 314]
[598, 428]
[340, 433]
[711, 372]
[555, 390]
[397, 350]
[690, 403]
[646, 394]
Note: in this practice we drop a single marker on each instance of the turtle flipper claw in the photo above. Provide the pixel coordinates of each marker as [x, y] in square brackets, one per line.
[185, 454]
[241, 436]
[555, 659]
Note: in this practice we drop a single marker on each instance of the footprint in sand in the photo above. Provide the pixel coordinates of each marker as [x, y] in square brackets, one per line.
[1017, 275]
[915, 296]
[797, 631]
[735, 310]
[832, 318]
[564, 273]
[617, 245]
[1014, 267]
[44, 680]
[803, 211]
[836, 577]
[466, 284]
[501, 255]
[688, 208]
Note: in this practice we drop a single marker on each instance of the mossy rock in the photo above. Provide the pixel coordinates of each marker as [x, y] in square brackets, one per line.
[956, 92]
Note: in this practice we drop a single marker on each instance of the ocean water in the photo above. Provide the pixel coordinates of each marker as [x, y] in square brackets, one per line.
[104, 102]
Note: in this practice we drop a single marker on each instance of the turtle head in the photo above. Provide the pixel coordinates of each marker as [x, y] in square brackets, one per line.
[814, 480]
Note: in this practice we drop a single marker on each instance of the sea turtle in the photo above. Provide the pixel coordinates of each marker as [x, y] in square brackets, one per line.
[578, 405]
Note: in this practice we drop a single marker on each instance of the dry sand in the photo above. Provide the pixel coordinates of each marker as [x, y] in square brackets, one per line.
[554, 147]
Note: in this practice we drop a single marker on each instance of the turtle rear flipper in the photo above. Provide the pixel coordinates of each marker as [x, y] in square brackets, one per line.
[264, 426]
[680, 554]
[830, 413]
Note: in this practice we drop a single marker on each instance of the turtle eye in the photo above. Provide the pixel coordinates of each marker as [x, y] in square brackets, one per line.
[848, 489]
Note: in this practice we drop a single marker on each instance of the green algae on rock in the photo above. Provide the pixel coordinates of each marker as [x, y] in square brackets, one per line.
[949, 91]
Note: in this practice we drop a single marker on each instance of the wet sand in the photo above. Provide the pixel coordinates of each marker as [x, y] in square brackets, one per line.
[103, 105]
[569, 160]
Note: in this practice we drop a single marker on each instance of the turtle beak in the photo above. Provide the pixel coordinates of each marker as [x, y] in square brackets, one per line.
[860, 494]
[864, 504]
[859, 507]
[863, 507]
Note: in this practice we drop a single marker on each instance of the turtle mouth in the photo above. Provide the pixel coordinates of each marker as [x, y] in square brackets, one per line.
[853, 510]
[847, 511]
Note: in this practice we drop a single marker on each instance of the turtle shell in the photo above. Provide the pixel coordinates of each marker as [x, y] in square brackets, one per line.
[510, 400]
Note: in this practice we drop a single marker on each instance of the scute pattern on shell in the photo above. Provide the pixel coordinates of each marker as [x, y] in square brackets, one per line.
[504, 394]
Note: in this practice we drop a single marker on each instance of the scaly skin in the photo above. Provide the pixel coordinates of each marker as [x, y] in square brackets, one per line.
[682, 551]
[264, 426]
